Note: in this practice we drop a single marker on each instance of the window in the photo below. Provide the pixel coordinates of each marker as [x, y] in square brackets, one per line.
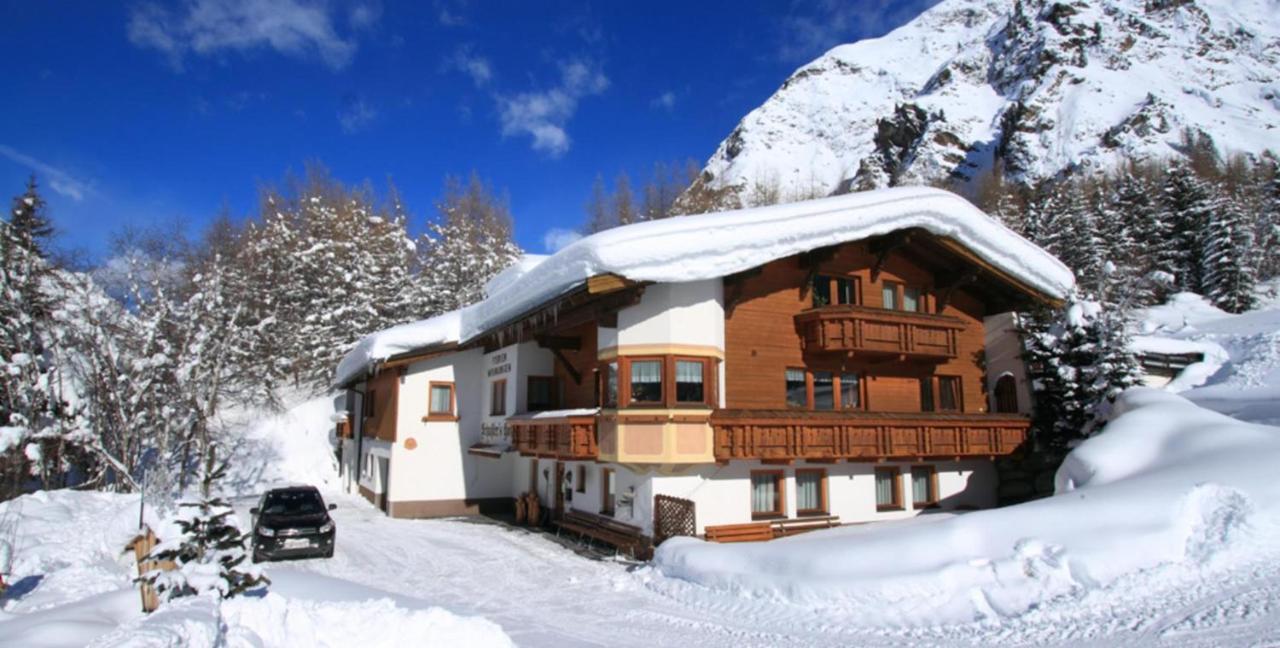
[888, 490]
[811, 492]
[824, 392]
[689, 381]
[949, 394]
[850, 391]
[440, 405]
[926, 394]
[580, 480]
[821, 291]
[611, 385]
[541, 394]
[911, 300]
[796, 393]
[924, 487]
[890, 295]
[607, 489]
[766, 493]
[646, 381]
[1006, 395]
[498, 398]
[828, 290]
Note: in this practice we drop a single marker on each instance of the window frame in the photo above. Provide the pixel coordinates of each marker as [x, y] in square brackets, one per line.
[929, 404]
[707, 383]
[932, 489]
[779, 494]
[608, 500]
[824, 503]
[1004, 395]
[452, 414]
[833, 289]
[581, 479]
[937, 380]
[862, 391]
[609, 399]
[896, 286]
[804, 375]
[552, 396]
[812, 380]
[624, 381]
[498, 396]
[895, 474]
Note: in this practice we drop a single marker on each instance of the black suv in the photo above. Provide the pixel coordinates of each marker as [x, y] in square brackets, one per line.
[291, 523]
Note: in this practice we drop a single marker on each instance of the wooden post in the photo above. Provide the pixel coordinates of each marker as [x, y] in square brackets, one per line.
[142, 544]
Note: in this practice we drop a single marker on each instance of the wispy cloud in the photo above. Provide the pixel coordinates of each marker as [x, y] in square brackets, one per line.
[60, 181]
[449, 12]
[558, 238]
[356, 114]
[465, 60]
[543, 114]
[815, 27]
[665, 101]
[206, 27]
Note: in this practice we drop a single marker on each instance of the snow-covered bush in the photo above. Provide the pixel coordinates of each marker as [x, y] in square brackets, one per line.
[208, 551]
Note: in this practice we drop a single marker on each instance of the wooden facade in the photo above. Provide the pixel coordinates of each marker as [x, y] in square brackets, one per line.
[567, 438]
[863, 436]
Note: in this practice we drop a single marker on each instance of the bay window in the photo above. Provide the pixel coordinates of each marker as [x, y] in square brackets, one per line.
[689, 381]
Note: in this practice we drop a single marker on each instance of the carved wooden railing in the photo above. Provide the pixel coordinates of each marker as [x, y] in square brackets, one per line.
[863, 436]
[563, 437]
[860, 329]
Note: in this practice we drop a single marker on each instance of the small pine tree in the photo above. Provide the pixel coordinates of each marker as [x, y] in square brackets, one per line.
[599, 217]
[208, 553]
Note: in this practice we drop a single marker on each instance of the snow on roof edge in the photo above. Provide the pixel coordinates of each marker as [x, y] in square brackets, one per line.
[676, 250]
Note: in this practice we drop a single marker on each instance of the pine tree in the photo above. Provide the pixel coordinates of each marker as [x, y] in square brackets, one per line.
[208, 553]
[1188, 202]
[623, 201]
[468, 244]
[1228, 272]
[35, 418]
[599, 217]
[1079, 360]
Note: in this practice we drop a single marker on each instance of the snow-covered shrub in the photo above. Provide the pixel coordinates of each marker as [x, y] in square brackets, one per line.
[208, 551]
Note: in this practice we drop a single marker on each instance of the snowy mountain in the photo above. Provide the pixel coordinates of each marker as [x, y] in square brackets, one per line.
[1035, 85]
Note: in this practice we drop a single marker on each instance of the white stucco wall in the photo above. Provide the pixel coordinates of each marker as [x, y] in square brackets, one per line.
[675, 313]
[722, 494]
[439, 467]
[1004, 355]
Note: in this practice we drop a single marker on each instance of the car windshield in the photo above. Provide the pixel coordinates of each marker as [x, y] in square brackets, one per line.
[293, 503]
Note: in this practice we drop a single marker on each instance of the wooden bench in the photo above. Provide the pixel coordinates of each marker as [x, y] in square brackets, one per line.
[620, 535]
[749, 532]
[793, 526]
[768, 530]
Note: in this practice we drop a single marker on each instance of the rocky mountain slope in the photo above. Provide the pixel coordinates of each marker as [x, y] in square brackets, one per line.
[1033, 86]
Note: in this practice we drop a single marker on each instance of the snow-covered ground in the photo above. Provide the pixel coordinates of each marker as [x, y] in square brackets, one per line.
[1163, 533]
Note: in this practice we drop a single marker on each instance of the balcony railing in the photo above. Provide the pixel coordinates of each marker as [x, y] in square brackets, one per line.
[860, 329]
[786, 435]
[570, 436]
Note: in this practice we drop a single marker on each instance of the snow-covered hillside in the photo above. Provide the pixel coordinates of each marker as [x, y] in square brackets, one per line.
[1035, 84]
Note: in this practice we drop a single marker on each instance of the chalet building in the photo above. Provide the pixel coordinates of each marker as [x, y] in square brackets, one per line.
[850, 358]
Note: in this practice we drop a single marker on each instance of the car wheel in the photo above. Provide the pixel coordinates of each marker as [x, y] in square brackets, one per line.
[328, 553]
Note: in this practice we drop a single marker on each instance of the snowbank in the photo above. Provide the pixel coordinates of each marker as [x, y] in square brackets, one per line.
[289, 447]
[1167, 483]
[706, 246]
[72, 585]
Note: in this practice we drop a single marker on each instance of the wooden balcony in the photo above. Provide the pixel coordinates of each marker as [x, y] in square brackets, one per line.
[875, 331]
[560, 437]
[787, 435]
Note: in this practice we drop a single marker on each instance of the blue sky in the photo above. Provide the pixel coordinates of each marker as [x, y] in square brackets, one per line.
[140, 112]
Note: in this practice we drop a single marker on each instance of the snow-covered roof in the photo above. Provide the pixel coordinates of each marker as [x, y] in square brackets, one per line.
[714, 245]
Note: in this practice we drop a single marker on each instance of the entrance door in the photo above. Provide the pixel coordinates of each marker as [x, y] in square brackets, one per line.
[559, 508]
[384, 473]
